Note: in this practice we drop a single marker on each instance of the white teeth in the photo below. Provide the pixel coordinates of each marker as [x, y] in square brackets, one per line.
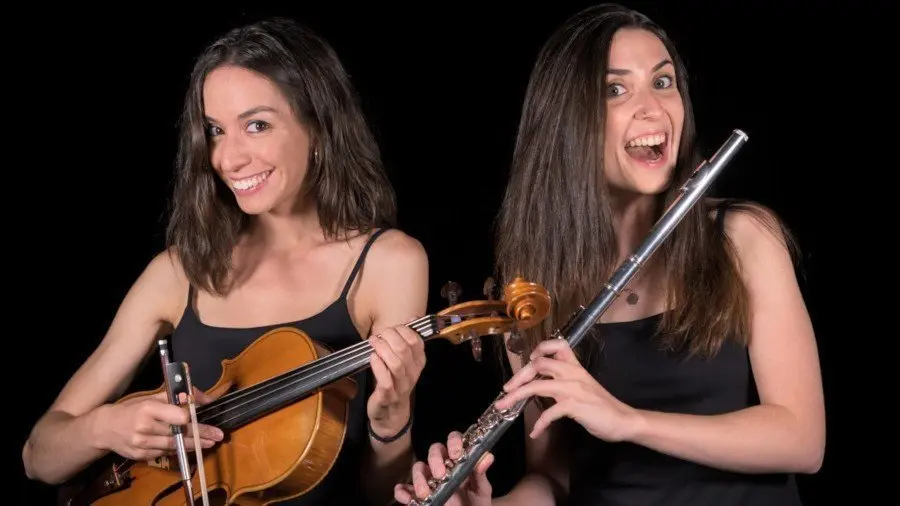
[250, 182]
[647, 140]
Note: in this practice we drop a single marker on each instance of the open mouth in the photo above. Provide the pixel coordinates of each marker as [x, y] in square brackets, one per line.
[252, 183]
[648, 148]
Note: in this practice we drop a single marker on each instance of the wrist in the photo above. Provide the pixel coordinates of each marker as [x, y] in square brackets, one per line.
[639, 427]
[97, 423]
[394, 425]
[391, 419]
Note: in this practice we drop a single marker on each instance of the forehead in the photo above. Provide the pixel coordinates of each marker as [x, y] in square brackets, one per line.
[633, 48]
[229, 91]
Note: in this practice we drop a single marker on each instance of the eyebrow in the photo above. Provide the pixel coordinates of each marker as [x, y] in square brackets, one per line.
[250, 112]
[622, 72]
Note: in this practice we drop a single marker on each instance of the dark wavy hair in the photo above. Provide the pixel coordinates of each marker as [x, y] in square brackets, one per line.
[346, 178]
[555, 225]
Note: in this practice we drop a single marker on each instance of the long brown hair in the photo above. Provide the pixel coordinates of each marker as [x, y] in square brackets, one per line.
[555, 225]
[346, 177]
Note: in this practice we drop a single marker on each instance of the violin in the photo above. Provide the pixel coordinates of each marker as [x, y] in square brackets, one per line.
[285, 415]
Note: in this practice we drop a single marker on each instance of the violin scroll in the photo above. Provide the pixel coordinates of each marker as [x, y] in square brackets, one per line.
[524, 304]
[528, 303]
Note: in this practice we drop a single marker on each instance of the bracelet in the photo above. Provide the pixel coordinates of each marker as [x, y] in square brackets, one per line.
[393, 438]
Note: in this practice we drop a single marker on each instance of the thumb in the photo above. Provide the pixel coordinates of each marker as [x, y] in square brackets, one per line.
[202, 397]
[480, 484]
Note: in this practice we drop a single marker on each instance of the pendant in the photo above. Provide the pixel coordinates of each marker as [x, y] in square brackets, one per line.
[515, 344]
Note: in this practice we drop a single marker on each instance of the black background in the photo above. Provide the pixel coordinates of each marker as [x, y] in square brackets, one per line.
[94, 96]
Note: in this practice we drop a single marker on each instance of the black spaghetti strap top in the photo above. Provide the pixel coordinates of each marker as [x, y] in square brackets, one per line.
[632, 367]
[204, 347]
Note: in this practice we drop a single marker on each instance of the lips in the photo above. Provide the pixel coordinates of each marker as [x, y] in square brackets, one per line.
[252, 183]
[648, 148]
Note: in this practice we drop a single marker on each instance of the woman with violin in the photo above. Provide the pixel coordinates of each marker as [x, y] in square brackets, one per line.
[281, 218]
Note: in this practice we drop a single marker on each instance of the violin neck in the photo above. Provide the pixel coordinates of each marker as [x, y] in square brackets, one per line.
[240, 407]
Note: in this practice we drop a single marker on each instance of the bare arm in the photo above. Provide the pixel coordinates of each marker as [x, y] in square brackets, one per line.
[397, 290]
[546, 475]
[786, 432]
[65, 439]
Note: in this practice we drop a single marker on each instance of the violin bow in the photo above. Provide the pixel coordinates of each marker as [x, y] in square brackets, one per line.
[178, 381]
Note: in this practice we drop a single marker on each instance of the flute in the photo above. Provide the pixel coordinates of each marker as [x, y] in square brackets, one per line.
[493, 423]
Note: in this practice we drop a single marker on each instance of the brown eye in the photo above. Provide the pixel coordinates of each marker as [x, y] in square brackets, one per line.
[257, 126]
[614, 90]
[663, 82]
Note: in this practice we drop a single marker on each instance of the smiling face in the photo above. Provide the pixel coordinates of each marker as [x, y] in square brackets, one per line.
[257, 145]
[644, 114]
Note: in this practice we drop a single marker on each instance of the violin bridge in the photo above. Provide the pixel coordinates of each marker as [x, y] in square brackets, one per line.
[161, 462]
[113, 480]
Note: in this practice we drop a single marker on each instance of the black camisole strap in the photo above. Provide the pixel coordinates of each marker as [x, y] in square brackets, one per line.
[359, 263]
[190, 301]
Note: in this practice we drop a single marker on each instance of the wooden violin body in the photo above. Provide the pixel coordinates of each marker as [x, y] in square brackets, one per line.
[280, 455]
[285, 413]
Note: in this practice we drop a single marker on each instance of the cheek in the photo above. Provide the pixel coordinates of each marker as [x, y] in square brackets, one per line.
[215, 158]
[614, 138]
[675, 109]
[616, 124]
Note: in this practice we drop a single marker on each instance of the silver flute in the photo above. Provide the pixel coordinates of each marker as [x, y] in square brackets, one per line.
[493, 423]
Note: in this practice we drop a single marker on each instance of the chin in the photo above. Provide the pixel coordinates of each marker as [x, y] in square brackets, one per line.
[254, 208]
[256, 203]
[649, 183]
[655, 186]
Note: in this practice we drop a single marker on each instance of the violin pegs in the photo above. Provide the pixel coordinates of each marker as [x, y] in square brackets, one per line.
[490, 288]
[451, 292]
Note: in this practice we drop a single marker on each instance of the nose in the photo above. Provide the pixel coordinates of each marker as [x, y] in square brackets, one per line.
[230, 153]
[648, 106]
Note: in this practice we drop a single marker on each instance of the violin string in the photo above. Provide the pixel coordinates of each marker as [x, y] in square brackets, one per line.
[352, 353]
[269, 399]
[354, 356]
[361, 351]
[305, 369]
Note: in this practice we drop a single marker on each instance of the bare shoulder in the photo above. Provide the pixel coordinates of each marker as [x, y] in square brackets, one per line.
[393, 242]
[394, 282]
[164, 279]
[395, 250]
[758, 233]
[166, 267]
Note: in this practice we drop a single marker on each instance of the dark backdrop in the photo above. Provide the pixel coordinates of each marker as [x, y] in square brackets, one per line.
[100, 91]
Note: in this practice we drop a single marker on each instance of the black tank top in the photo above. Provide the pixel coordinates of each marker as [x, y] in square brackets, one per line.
[632, 367]
[204, 347]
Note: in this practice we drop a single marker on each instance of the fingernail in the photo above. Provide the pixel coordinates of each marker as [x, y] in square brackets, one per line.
[219, 434]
